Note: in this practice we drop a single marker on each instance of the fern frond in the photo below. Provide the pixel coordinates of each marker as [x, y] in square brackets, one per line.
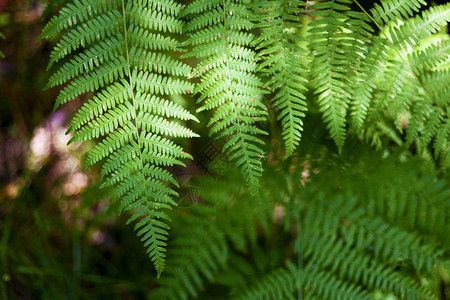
[279, 284]
[129, 81]
[370, 236]
[364, 223]
[413, 90]
[421, 26]
[371, 68]
[283, 61]
[401, 77]
[391, 10]
[327, 45]
[218, 36]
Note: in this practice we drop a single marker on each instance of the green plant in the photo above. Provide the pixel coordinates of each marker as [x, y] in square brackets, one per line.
[128, 108]
[378, 77]
[377, 226]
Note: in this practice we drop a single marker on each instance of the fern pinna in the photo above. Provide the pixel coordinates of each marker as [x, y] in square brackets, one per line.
[117, 50]
[378, 75]
[406, 76]
[219, 36]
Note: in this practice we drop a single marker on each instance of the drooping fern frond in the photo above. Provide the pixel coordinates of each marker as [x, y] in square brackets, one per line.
[131, 109]
[328, 55]
[421, 26]
[283, 61]
[338, 39]
[353, 226]
[219, 36]
[397, 77]
[365, 84]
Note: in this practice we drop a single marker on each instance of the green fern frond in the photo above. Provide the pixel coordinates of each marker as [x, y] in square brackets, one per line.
[283, 61]
[344, 236]
[418, 206]
[413, 90]
[128, 110]
[366, 82]
[330, 78]
[218, 35]
[361, 63]
[421, 26]
[377, 225]
[390, 10]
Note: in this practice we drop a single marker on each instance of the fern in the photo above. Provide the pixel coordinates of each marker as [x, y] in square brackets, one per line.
[397, 80]
[377, 224]
[353, 224]
[348, 243]
[417, 28]
[129, 109]
[327, 45]
[395, 9]
[219, 37]
[284, 62]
